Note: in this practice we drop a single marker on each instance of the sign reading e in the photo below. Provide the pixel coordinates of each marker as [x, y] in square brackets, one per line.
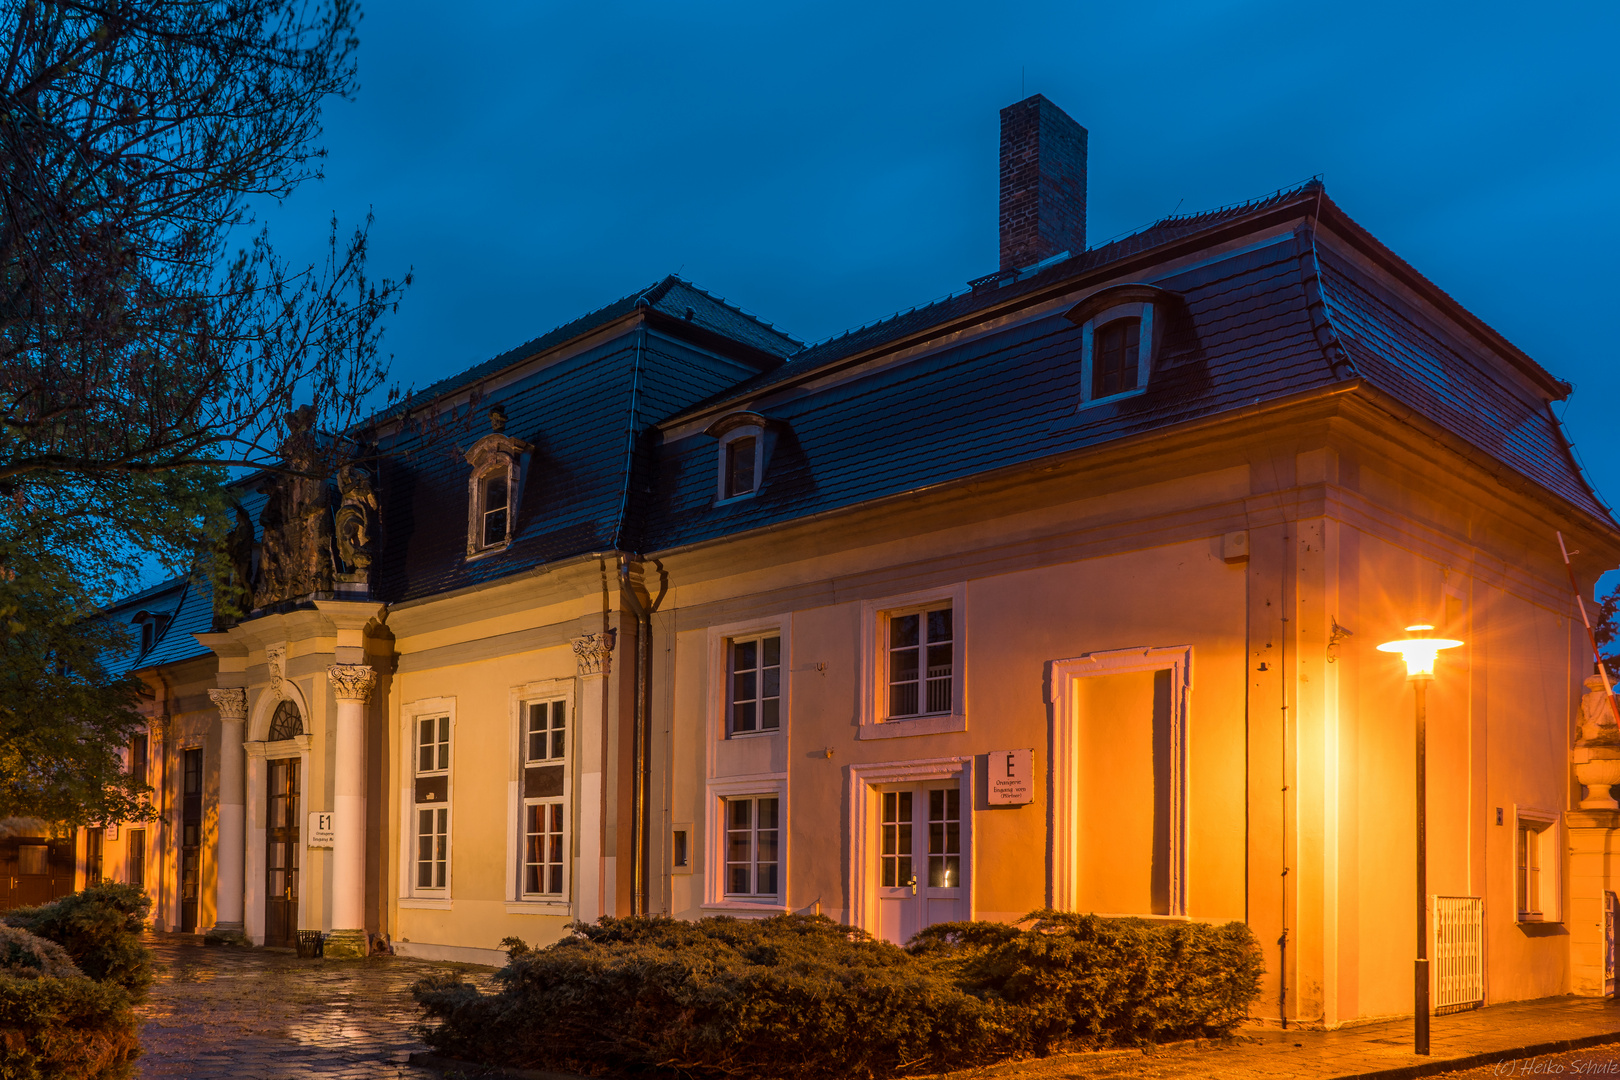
[1009, 780]
[322, 828]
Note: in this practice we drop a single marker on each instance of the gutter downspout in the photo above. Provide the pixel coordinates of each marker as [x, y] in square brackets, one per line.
[639, 825]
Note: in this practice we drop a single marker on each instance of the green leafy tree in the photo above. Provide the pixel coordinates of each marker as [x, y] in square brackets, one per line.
[151, 339]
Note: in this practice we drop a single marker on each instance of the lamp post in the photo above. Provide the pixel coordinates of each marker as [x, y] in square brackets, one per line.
[1419, 652]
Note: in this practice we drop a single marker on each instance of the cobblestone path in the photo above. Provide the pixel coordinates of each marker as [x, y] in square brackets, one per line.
[238, 1014]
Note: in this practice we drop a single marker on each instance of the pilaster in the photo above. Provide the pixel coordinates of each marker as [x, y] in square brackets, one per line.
[351, 684]
[594, 654]
[232, 706]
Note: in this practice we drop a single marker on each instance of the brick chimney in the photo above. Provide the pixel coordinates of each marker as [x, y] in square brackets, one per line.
[1043, 183]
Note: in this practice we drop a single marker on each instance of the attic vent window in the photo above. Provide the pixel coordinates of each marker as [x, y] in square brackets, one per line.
[495, 509]
[745, 439]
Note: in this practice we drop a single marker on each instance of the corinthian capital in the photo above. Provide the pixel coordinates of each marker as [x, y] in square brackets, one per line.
[352, 682]
[231, 703]
[594, 651]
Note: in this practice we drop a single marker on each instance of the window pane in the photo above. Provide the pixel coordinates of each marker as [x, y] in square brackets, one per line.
[770, 717]
[742, 686]
[737, 846]
[773, 651]
[743, 655]
[495, 493]
[903, 631]
[740, 466]
[742, 717]
[903, 699]
[737, 880]
[767, 880]
[742, 813]
[426, 741]
[939, 625]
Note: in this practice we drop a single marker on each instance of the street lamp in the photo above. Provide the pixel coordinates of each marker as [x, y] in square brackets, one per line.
[1419, 652]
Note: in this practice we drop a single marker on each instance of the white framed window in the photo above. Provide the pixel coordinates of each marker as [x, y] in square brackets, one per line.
[545, 807]
[746, 862]
[428, 744]
[1535, 865]
[493, 488]
[540, 866]
[743, 439]
[1121, 328]
[753, 847]
[913, 654]
[749, 696]
[754, 684]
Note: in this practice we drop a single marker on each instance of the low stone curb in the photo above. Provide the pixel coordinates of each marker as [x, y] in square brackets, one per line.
[1489, 1057]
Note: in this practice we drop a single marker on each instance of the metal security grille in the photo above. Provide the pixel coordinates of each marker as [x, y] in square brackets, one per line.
[1459, 953]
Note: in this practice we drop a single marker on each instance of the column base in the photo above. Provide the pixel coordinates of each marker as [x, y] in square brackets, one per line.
[347, 945]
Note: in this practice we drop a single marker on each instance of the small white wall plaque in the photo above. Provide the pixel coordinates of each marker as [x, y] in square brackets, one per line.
[322, 828]
[1008, 777]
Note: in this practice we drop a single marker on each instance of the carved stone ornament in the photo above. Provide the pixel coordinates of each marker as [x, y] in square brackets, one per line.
[1597, 751]
[295, 550]
[354, 522]
[352, 682]
[276, 657]
[494, 457]
[594, 653]
[231, 703]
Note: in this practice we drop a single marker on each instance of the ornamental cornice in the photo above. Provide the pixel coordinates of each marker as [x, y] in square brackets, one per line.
[594, 652]
[231, 703]
[352, 682]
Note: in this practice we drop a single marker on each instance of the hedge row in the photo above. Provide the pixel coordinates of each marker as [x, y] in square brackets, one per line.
[69, 971]
[798, 996]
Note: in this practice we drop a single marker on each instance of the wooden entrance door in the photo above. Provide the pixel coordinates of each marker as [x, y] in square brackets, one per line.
[920, 859]
[35, 870]
[281, 854]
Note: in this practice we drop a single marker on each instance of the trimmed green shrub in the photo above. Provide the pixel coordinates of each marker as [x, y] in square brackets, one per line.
[1085, 980]
[65, 1029]
[798, 996]
[24, 956]
[101, 930]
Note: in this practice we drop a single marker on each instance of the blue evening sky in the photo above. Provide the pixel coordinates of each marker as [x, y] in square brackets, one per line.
[823, 165]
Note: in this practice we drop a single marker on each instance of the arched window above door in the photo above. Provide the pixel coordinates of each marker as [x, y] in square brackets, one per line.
[287, 723]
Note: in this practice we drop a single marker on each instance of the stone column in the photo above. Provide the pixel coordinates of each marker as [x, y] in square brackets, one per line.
[352, 684]
[594, 653]
[232, 706]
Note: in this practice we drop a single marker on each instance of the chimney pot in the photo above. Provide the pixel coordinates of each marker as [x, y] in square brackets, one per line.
[1043, 183]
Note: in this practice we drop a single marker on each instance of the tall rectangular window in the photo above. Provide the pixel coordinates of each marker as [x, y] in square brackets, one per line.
[496, 500]
[895, 854]
[1115, 353]
[93, 840]
[137, 858]
[433, 744]
[545, 807]
[432, 797]
[922, 656]
[945, 837]
[137, 759]
[755, 683]
[432, 846]
[752, 846]
[1529, 875]
[740, 461]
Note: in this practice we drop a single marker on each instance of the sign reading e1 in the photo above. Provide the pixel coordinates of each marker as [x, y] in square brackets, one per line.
[1008, 777]
[322, 828]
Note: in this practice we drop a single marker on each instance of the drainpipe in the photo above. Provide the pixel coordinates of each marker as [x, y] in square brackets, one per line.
[643, 764]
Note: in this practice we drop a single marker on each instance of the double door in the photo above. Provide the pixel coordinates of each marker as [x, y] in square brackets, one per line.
[282, 846]
[921, 859]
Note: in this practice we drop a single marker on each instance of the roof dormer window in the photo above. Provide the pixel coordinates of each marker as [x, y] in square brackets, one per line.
[496, 509]
[744, 448]
[1115, 353]
[741, 453]
[493, 487]
[1121, 328]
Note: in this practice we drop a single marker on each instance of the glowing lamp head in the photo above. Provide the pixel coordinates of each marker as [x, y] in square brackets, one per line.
[1419, 650]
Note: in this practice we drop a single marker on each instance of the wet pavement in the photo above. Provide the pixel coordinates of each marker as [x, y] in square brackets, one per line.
[240, 1014]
